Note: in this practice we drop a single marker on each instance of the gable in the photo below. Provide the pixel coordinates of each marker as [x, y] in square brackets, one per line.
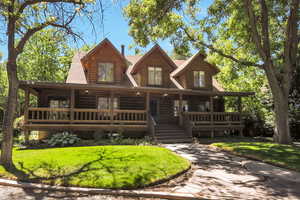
[154, 54]
[194, 61]
[104, 49]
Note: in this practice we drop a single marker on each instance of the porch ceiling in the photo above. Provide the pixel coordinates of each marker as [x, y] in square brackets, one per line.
[34, 85]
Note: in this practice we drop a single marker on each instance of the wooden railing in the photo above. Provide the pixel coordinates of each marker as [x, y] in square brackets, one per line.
[213, 117]
[151, 126]
[86, 115]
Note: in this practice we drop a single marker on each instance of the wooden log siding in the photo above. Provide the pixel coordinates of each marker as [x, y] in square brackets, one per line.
[86, 115]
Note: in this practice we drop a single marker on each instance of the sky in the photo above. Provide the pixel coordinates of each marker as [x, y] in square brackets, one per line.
[115, 28]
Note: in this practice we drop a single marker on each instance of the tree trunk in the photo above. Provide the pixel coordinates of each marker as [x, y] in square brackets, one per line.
[281, 108]
[9, 115]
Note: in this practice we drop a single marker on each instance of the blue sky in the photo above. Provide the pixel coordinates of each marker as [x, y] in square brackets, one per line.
[115, 29]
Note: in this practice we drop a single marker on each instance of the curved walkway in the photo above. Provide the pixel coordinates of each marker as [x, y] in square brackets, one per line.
[220, 175]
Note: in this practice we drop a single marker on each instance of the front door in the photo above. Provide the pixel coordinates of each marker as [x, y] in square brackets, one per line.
[154, 108]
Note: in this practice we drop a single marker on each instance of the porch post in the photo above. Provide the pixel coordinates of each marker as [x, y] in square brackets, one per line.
[111, 107]
[180, 110]
[26, 106]
[240, 114]
[211, 109]
[72, 105]
[240, 104]
[148, 102]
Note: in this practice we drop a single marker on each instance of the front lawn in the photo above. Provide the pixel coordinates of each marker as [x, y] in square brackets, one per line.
[98, 166]
[283, 155]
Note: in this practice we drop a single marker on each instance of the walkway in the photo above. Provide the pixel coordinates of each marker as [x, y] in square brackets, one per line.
[220, 175]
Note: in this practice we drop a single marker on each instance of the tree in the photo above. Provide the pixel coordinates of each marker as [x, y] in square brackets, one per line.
[267, 31]
[46, 57]
[22, 19]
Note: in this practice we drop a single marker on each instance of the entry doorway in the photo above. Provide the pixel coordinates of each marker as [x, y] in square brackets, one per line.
[154, 108]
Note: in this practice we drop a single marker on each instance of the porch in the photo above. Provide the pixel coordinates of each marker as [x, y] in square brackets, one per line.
[137, 109]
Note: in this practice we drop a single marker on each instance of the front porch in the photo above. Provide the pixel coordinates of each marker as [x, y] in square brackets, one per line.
[130, 109]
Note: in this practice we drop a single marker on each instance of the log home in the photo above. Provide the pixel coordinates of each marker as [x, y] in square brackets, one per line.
[149, 94]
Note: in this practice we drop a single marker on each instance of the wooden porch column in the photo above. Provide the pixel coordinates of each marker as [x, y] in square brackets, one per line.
[180, 110]
[211, 110]
[239, 104]
[72, 105]
[111, 107]
[26, 113]
[148, 105]
[240, 114]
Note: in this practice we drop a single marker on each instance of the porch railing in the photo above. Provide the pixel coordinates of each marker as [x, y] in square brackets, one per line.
[213, 117]
[76, 115]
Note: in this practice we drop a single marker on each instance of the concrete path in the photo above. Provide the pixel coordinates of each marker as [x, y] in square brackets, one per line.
[220, 175]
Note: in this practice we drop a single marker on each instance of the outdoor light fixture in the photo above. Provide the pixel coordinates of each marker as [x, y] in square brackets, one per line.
[138, 94]
[86, 91]
[165, 95]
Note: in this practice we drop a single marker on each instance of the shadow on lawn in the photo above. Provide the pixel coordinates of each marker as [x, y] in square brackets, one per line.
[60, 176]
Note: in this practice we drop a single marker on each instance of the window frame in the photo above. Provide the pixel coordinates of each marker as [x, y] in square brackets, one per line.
[197, 73]
[113, 72]
[116, 100]
[185, 107]
[154, 83]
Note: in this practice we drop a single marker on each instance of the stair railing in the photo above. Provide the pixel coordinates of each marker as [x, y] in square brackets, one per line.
[152, 126]
[187, 125]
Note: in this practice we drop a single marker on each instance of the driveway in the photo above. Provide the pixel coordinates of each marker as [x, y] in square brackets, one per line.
[220, 175]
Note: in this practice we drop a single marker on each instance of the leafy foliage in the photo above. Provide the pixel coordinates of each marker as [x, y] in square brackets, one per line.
[46, 57]
[63, 139]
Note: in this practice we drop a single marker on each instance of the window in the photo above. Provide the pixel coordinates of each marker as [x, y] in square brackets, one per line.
[199, 79]
[154, 75]
[103, 103]
[203, 106]
[185, 107]
[53, 103]
[105, 72]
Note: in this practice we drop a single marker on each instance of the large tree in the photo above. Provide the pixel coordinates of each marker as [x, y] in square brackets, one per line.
[21, 20]
[266, 31]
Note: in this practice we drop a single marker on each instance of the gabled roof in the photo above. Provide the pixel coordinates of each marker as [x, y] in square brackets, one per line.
[94, 50]
[76, 73]
[135, 61]
[184, 65]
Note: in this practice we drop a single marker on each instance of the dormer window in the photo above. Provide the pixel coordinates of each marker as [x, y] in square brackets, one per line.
[154, 75]
[199, 79]
[105, 72]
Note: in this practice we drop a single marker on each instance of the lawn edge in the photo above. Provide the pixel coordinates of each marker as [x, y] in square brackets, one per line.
[94, 191]
[252, 157]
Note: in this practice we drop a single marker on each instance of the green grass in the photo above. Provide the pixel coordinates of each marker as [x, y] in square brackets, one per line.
[98, 166]
[282, 155]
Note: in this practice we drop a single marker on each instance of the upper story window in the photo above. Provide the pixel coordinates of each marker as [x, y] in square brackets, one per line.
[199, 79]
[105, 72]
[154, 75]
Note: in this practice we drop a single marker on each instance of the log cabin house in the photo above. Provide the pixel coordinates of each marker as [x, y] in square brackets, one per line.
[149, 94]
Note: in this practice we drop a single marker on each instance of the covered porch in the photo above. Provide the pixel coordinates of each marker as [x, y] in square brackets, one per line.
[94, 107]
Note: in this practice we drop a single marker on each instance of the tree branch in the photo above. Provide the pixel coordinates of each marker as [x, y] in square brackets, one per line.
[291, 44]
[255, 35]
[32, 2]
[28, 34]
[265, 29]
[220, 52]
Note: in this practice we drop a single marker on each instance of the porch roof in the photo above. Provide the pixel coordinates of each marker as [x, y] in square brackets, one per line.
[35, 86]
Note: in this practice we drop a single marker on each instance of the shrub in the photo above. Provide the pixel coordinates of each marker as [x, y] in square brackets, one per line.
[63, 139]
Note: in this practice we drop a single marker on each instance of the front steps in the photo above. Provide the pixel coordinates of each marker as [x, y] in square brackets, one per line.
[171, 133]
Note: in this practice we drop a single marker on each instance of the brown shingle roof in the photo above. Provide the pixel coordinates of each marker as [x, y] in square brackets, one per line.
[76, 73]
